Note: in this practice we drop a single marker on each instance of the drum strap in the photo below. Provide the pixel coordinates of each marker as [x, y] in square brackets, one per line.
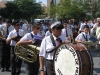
[53, 42]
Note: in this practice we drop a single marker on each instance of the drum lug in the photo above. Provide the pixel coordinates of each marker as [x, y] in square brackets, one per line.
[82, 73]
[86, 64]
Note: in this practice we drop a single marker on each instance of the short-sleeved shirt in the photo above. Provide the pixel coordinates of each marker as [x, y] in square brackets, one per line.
[82, 36]
[47, 45]
[10, 28]
[98, 37]
[14, 33]
[82, 26]
[69, 32]
[48, 33]
[28, 37]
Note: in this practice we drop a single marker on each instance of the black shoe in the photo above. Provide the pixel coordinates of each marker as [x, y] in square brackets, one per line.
[2, 69]
[8, 70]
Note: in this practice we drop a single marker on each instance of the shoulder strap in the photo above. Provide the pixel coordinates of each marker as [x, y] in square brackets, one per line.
[31, 35]
[52, 39]
[53, 42]
[84, 36]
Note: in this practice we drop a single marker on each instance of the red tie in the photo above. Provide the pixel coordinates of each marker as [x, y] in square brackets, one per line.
[66, 33]
[59, 41]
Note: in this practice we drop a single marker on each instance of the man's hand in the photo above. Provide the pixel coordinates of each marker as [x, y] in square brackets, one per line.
[42, 73]
[13, 37]
[4, 39]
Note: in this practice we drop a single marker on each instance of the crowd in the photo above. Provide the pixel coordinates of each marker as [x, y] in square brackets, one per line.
[52, 34]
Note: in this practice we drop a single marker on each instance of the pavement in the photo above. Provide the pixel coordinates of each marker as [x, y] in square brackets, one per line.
[96, 61]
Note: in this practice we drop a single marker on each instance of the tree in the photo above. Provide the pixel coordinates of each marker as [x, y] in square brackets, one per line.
[21, 9]
[52, 10]
[10, 11]
[77, 9]
[29, 8]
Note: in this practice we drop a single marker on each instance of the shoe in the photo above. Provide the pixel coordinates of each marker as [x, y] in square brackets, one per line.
[8, 70]
[2, 69]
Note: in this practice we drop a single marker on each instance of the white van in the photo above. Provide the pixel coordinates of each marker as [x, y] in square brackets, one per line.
[45, 20]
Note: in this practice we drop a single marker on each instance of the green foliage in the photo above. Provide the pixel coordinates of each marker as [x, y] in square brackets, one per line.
[52, 10]
[21, 9]
[76, 9]
[10, 11]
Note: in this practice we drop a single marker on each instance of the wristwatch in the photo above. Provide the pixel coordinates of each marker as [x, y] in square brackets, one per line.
[42, 69]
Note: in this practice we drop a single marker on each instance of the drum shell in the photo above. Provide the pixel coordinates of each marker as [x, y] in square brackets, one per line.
[85, 59]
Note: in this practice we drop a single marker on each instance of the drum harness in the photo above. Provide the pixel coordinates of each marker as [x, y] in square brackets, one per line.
[53, 42]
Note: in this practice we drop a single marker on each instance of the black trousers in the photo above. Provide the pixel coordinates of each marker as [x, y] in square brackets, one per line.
[15, 63]
[49, 67]
[32, 68]
[5, 57]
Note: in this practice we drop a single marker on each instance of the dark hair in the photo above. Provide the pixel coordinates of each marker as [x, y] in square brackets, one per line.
[36, 24]
[65, 21]
[58, 27]
[15, 22]
[86, 20]
[8, 21]
[86, 26]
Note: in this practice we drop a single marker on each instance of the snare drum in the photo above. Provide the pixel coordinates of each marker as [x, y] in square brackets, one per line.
[73, 59]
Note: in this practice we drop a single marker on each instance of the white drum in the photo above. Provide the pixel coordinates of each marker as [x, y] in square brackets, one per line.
[73, 59]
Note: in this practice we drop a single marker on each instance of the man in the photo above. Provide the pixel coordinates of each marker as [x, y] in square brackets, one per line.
[47, 48]
[25, 26]
[83, 36]
[81, 29]
[67, 32]
[13, 37]
[29, 38]
[6, 29]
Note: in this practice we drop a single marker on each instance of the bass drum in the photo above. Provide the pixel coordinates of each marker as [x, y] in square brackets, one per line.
[73, 59]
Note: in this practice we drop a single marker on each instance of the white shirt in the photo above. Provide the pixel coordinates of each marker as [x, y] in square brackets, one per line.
[69, 32]
[98, 37]
[70, 26]
[48, 33]
[42, 33]
[10, 28]
[14, 33]
[44, 27]
[28, 37]
[25, 28]
[81, 36]
[47, 45]
[82, 26]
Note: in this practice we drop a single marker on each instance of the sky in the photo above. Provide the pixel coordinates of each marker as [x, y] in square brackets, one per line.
[43, 1]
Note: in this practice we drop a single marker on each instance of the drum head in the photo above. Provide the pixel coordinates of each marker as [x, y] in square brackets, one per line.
[66, 61]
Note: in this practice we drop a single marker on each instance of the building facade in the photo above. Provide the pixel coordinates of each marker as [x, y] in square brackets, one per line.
[2, 3]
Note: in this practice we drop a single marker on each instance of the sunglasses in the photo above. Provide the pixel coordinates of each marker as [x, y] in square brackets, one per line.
[38, 28]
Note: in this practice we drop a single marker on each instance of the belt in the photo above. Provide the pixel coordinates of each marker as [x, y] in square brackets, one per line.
[48, 60]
